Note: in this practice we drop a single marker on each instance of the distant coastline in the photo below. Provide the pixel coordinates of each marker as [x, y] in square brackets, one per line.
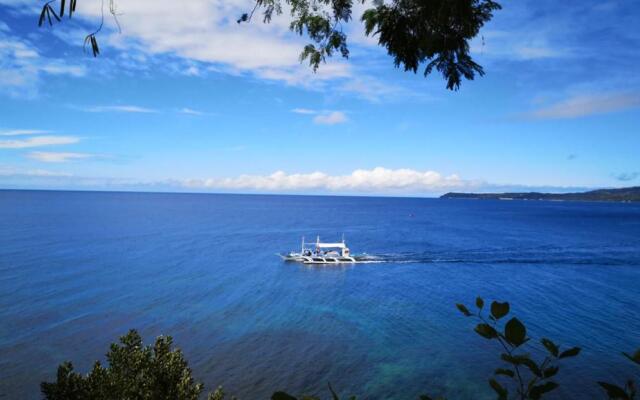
[630, 194]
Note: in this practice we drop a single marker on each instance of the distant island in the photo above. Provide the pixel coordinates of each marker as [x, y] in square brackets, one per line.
[623, 194]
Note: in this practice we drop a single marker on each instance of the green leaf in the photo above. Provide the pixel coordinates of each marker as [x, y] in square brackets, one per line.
[550, 346]
[614, 392]
[217, 394]
[510, 359]
[523, 359]
[486, 331]
[499, 310]
[96, 50]
[502, 392]
[537, 391]
[572, 352]
[515, 332]
[463, 309]
[533, 367]
[479, 302]
[549, 372]
[504, 371]
[282, 396]
[519, 359]
[635, 357]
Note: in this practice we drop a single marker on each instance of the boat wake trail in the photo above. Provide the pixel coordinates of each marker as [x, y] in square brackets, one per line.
[623, 258]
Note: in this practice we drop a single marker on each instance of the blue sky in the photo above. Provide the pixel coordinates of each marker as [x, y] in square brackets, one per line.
[185, 99]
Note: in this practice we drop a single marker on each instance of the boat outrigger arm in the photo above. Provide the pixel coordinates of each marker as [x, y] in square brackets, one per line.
[321, 253]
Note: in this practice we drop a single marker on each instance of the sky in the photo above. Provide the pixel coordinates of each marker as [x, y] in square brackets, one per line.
[182, 98]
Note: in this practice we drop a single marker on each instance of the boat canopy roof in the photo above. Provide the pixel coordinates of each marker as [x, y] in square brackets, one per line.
[333, 245]
[318, 244]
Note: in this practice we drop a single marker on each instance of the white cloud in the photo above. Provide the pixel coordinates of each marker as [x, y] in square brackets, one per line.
[302, 75]
[56, 157]
[190, 111]
[374, 90]
[323, 117]
[60, 68]
[304, 111]
[521, 43]
[18, 132]
[585, 105]
[203, 31]
[193, 38]
[119, 108]
[204, 35]
[192, 71]
[331, 118]
[377, 180]
[22, 67]
[37, 141]
[525, 52]
[13, 172]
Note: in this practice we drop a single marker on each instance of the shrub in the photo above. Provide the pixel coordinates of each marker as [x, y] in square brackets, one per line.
[134, 371]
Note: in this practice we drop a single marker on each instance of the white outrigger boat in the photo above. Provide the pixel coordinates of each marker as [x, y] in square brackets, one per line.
[321, 253]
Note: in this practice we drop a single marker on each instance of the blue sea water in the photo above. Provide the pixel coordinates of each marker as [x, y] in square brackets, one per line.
[78, 269]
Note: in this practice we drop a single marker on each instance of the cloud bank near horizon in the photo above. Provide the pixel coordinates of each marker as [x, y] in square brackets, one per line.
[374, 181]
[377, 181]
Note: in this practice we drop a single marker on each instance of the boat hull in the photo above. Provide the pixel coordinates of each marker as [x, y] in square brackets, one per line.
[317, 259]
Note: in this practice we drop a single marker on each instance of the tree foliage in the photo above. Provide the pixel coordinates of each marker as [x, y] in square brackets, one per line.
[134, 371]
[416, 33]
[435, 32]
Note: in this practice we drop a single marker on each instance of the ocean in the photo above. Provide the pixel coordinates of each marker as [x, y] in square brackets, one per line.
[79, 269]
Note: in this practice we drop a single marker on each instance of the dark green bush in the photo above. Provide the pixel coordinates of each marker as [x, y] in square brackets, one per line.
[134, 372]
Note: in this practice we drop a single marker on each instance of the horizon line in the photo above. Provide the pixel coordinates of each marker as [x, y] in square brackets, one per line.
[417, 196]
